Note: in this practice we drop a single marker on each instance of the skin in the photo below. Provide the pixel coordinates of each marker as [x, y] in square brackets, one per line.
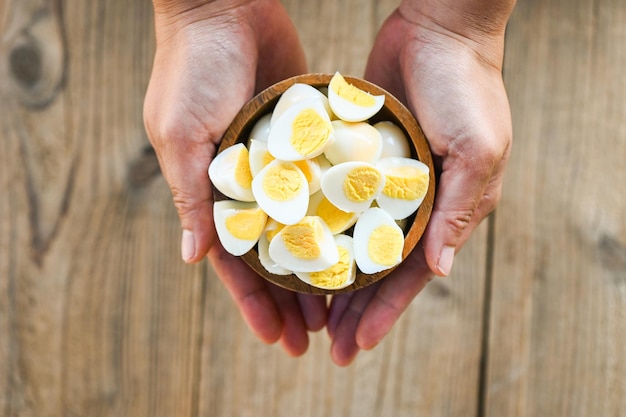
[442, 58]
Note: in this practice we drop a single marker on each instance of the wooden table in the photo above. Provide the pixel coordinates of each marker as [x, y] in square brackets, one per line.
[99, 317]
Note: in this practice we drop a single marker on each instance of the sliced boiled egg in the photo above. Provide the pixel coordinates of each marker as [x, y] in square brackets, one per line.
[271, 229]
[350, 103]
[352, 186]
[282, 191]
[358, 141]
[306, 246]
[238, 224]
[378, 241]
[303, 131]
[406, 184]
[230, 173]
[338, 276]
[298, 92]
[395, 142]
[337, 220]
[261, 129]
[312, 172]
[259, 156]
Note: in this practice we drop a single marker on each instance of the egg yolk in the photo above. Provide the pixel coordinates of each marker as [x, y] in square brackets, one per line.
[243, 176]
[271, 233]
[246, 224]
[351, 93]
[282, 182]
[385, 245]
[336, 275]
[406, 183]
[304, 167]
[267, 158]
[335, 219]
[302, 239]
[361, 183]
[309, 132]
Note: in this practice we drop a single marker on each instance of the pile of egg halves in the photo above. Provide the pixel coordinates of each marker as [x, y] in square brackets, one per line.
[312, 171]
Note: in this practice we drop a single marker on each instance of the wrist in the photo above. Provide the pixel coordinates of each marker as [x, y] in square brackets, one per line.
[173, 15]
[477, 24]
[470, 18]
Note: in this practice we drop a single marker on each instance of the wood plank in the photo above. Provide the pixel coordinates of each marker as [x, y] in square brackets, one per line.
[101, 316]
[557, 329]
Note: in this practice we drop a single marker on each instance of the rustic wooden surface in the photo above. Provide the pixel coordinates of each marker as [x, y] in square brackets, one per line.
[99, 317]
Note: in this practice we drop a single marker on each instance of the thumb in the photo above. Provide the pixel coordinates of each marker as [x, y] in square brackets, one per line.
[184, 164]
[467, 192]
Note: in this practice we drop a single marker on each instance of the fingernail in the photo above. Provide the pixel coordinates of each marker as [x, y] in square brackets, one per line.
[188, 246]
[446, 257]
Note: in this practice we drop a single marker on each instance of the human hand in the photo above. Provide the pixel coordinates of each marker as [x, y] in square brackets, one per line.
[450, 78]
[211, 57]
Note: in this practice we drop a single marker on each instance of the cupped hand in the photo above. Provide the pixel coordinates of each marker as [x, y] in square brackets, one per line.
[453, 85]
[210, 60]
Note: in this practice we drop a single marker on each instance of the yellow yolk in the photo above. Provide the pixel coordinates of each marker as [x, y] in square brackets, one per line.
[385, 245]
[282, 182]
[302, 239]
[335, 219]
[361, 183]
[406, 183]
[267, 158]
[310, 132]
[246, 224]
[243, 176]
[271, 233]
[304, 167]
[351, 93]
[336, 275]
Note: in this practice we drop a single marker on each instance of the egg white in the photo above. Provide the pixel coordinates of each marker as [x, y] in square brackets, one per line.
[400, 208]
[395, 142]
[365, 225]
[328, 256]
[222, 173]
[332, 185]
[354, 141]
[266, 261]
[314, 202]
[349, 111]
[343, 241]
[221, 211]
[279, 139]
[285, 212]
[298, 92]
[261, 129]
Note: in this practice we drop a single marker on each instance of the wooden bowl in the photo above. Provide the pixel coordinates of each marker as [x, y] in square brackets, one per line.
[393, 111]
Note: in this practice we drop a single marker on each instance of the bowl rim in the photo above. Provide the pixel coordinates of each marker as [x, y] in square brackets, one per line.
[394, 111]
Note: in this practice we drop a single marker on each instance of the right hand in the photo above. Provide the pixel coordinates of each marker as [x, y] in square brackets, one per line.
[209, 61]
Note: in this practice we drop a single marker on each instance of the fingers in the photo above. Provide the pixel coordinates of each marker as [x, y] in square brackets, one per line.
[391, 300]
[250, 293]
[314, 310]
[347, 316]
[359, 321]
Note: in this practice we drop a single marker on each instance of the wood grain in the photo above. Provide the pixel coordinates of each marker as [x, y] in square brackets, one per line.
[557, 331]
[99, 317]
